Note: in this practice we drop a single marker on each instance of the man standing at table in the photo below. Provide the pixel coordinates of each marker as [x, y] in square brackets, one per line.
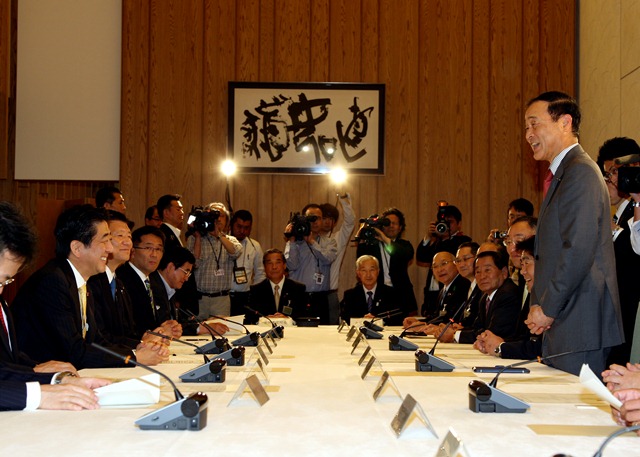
[575, 296]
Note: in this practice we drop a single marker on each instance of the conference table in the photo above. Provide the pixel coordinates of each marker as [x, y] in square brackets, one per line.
[321, 403]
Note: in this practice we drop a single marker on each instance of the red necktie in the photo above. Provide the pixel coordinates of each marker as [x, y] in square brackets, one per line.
[547, 183]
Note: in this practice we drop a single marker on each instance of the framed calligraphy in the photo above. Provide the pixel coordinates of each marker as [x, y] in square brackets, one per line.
[306, 127]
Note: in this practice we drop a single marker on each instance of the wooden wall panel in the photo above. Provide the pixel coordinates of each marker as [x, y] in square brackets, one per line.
[5, 84]
[457, 74]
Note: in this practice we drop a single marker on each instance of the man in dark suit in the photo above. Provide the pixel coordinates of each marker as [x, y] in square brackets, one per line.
[627, 261]
[276, 296]
[500, 304]
[172, 214]
[523, 345]
[20, 387]
[112, 305]
[151, 308]
[575, 298]
[368, 298]
[394, 256]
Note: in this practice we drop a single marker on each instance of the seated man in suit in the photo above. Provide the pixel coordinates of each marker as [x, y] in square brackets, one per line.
[368, 299]
[17, 249]
[499, 305]
[174, 270]
[21, 387]
[524, 345]
[276, 296]
[151, 308]
[112, 304]
[53, 311]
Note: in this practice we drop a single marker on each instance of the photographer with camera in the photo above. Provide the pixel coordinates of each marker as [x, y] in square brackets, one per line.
[382, 238]
[309, 256]
[444, 234]
[516, 209]
[215, 252]
[627, 261]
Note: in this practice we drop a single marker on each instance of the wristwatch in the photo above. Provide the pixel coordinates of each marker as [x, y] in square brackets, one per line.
[498, 350]
[60, 376]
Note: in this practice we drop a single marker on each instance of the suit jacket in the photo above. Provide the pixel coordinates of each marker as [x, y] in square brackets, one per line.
[354, 303]
[401, 254]
[113, 317]
[10, 354]
[500, 318]
[261, 299]
[13, 390]
[171, 240]
[575, 266]
[144, 316]
[627, 267]
[455, 296]
[48, 321]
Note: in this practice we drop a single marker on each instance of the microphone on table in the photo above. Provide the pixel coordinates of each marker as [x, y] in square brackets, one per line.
[429, 362]
[170, 338]
[277, 331]
[383, 315]
[487, 398]
[250, 338]
[183, 414]
[217, 345]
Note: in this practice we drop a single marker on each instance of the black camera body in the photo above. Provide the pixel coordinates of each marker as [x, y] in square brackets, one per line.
[629, 179]
[301, 226]
[367, 233]
[203, 221]
[442, 225]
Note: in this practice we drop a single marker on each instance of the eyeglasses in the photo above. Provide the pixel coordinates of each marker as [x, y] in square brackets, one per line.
[6, 282]
[441, 264]
[149, 248]
[463, 259]
[610, 174]
[509, 242]
[187, 273]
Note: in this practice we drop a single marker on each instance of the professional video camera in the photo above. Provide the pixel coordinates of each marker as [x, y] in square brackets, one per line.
[442, 225]
[301, 226]
[201, 220]
[367, 233]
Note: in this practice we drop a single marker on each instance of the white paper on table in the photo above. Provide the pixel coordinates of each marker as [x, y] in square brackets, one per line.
[589, 380]
[234, 328]
[138, 391]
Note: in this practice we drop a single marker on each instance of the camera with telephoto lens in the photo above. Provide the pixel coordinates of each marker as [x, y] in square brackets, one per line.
[203, 221]
[367, 233]
[442, 225]
[629, 179]
[301, 226]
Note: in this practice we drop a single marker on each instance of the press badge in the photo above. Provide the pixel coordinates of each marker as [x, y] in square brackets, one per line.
[218, 272]
[287, 310]
[240, 275]
[318, 278]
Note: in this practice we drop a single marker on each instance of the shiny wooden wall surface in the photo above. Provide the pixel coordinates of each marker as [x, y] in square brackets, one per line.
[457, 75]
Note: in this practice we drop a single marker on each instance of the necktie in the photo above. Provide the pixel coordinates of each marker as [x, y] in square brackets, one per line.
[147, 285]
[525, 294]
[547, 183]
[82, 291]
[488, 303]
[276, 296]
[112, 284]
[369, 301]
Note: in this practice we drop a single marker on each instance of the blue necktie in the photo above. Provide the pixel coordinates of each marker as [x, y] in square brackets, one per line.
[112, 284]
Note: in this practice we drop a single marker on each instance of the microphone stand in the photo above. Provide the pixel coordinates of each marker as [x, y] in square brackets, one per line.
[217, 345]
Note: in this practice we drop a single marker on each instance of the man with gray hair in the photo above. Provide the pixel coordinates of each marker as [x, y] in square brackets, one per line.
[368, 298]
[215, 252]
